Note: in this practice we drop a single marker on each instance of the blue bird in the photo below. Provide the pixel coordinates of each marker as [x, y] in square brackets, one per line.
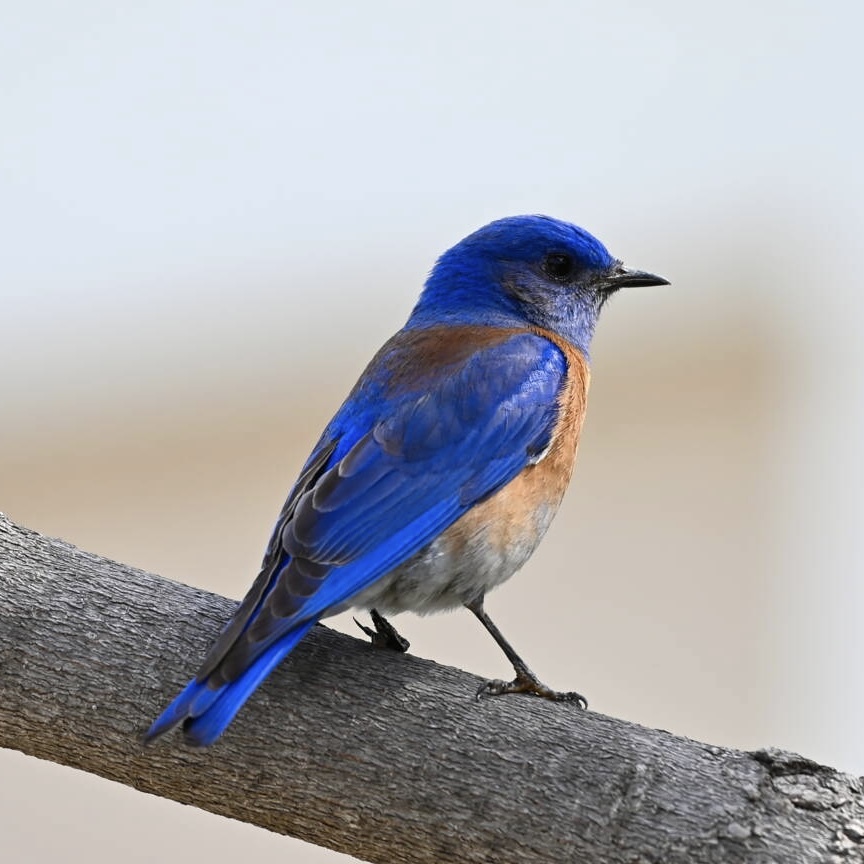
[439, 475]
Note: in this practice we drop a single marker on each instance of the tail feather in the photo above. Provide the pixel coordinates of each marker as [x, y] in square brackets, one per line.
[179, 709]
[206, 712]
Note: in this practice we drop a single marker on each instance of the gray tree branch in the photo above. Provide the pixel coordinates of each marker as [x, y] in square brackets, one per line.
[384, 756]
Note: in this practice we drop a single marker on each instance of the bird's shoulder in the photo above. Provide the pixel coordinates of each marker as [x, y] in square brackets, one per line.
[484, 362]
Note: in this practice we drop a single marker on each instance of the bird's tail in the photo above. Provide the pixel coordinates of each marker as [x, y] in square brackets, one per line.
[205, 712]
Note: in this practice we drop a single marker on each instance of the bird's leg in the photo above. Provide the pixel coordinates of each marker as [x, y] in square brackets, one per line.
[384, 635]
[525, 681]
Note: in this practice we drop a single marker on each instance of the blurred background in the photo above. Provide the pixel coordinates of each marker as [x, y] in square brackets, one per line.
[213, 214]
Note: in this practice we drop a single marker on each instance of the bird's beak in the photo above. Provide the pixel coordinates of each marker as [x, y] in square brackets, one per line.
[620, 276]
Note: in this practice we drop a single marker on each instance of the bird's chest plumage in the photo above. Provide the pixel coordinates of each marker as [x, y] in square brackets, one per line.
[490, 542]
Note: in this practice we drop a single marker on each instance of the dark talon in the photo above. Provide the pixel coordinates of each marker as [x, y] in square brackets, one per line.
[367, 630]
[384, 635]
[526, 682]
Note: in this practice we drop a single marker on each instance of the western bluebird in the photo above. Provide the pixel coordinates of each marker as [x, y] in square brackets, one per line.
[438, 476]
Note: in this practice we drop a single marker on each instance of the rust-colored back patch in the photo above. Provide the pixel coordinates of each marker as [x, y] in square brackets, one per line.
[415, 355]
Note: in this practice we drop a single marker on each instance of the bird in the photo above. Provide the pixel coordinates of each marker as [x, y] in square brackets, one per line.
[441, 471]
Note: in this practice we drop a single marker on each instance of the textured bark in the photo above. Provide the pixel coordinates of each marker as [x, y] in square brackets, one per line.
[384, 756]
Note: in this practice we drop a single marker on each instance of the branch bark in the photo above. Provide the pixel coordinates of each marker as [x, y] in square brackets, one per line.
[386, 757]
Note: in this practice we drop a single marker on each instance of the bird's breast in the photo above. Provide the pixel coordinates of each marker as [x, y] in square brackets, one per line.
[490, 542]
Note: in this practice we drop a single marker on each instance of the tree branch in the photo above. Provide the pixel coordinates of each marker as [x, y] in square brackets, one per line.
[383, 756]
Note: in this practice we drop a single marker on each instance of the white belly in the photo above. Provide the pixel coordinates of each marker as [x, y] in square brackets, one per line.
[465, 562]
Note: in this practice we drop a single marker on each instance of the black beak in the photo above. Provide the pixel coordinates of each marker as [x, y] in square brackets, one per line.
[620, 276]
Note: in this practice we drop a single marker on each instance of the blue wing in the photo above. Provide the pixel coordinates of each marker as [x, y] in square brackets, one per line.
[441, 419]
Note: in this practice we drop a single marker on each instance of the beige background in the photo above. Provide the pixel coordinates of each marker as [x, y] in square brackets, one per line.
[212, 215]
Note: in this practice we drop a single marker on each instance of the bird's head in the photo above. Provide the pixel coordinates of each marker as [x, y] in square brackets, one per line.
[526, 269]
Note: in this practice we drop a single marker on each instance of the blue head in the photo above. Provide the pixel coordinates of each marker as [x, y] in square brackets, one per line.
[526, 269]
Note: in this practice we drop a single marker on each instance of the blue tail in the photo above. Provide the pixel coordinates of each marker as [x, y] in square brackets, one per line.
[206, 712]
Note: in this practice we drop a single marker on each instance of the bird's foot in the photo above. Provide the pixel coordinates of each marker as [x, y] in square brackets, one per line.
[527, 682]
[384, 635]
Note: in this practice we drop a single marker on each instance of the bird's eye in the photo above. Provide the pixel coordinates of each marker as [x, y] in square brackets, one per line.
[558, 266]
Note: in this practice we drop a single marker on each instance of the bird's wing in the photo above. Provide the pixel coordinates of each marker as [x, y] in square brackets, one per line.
[418, 442]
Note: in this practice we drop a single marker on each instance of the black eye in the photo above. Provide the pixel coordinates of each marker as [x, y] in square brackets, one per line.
[558, 266]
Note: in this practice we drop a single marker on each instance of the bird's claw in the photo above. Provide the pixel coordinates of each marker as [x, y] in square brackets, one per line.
[384, 635]
[527, 682]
